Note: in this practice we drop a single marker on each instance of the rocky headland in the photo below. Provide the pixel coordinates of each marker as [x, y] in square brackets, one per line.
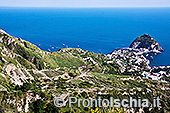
[146, 43]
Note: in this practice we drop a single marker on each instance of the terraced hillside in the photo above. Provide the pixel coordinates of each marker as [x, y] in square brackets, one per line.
[31, 78]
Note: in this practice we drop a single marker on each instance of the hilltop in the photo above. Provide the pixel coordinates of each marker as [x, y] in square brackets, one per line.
[31, 78]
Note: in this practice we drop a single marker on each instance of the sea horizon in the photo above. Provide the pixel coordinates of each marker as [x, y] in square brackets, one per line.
[84, 56]
[106, 28]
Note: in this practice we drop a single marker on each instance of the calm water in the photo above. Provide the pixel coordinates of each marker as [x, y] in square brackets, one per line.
[92, 28]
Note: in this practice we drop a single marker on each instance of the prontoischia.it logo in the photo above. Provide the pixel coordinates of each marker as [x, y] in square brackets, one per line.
[131, 102]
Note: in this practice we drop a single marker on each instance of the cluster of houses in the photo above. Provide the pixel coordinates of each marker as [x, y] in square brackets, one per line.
[128, 61]
[134, 61]
[157, 73]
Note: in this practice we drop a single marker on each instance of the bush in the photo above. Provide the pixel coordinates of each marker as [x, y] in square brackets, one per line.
[37, 106]
[26, 87]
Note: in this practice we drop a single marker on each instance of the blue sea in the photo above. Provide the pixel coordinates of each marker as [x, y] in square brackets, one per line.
[93, 29]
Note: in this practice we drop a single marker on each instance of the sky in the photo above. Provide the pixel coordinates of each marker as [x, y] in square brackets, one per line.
[84, 3]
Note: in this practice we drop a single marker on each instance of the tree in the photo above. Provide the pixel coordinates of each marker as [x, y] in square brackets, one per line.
[26, 87]
[37, 106]
[51, 108]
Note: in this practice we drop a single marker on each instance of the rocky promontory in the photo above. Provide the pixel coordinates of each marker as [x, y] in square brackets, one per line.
[146, 42]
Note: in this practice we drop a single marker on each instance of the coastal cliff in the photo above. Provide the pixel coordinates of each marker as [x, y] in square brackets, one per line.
[146, 42]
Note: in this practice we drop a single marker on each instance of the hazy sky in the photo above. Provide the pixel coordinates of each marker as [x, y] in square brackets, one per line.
[85, 3]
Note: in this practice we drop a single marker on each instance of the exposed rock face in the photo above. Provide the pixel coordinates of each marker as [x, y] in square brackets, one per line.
[147, 42]
[17, 75]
